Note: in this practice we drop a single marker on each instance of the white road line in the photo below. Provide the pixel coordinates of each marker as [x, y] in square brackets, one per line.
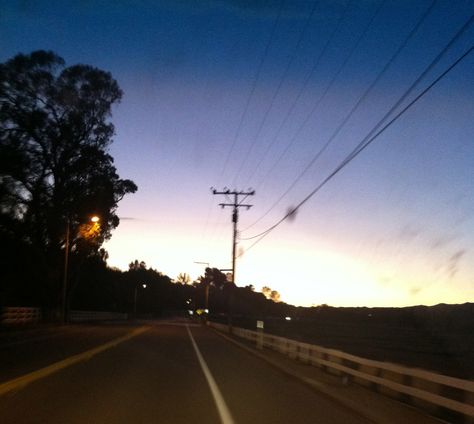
[224, 413]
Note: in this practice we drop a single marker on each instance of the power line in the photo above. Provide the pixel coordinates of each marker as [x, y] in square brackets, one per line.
[277, 91]
[304, 85]
[324, 94]
[244, 112]
[254, 86]
[367, 92]
[363, 145]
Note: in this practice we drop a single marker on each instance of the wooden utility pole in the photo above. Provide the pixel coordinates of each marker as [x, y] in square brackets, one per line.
[235, 203]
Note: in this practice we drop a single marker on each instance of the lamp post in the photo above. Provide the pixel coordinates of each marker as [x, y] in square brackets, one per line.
[206, 289]
[65, 274]
[94, 219]
[135, 298]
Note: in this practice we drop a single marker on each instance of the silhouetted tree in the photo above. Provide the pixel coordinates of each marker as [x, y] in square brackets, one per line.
[55, 171]
[271, 294]
[136, 265]
[183, 278]
[215, 278]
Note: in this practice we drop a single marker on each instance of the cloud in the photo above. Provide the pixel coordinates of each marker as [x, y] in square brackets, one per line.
[443, 241]
[415, 290]
[453, 262]
[408, 232]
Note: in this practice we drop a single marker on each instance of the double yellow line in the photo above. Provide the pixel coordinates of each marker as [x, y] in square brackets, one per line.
[24, 380]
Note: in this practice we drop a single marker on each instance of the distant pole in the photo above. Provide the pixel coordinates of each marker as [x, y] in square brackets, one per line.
[64, 295]
[235, 204]
[235, 217]
[206, 289]
[135, 298]
[65, 276]
[135, 301]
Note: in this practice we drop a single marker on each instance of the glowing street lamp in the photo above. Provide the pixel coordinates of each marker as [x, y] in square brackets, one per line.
[94, 219]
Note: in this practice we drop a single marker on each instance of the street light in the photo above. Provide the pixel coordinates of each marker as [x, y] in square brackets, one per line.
[135, 298]
[206, 289]
[94, 219]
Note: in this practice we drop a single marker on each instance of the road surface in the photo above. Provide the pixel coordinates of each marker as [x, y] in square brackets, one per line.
[166, 374]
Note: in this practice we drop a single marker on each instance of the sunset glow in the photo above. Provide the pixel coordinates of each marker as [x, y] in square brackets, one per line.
[212, 99]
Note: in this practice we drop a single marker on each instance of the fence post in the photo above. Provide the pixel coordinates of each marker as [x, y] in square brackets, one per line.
[260, 325]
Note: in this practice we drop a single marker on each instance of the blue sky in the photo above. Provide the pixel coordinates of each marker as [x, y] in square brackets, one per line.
[216, 91]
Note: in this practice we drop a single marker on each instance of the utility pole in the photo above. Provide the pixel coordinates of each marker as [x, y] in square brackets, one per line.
[235, 203]
[64, 311]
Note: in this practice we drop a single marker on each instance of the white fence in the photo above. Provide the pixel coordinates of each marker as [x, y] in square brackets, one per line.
[84, 316]
[13, 315]
[421, 388]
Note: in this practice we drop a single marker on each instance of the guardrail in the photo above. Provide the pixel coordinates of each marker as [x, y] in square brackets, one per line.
[15, 315]
[423, 389]
[84, 316]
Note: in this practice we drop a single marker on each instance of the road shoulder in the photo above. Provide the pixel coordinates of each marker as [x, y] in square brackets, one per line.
[372, 406]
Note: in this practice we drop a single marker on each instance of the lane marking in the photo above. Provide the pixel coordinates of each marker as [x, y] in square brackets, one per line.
[20, 382]
[224, 413]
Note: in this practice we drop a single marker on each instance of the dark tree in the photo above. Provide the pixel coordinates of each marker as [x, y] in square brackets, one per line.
[215, 278]
[55, 170]
[183, 278]
[137, 265]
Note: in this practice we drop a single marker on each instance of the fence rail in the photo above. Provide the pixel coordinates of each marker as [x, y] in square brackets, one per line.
[419, 387]
[13, 315]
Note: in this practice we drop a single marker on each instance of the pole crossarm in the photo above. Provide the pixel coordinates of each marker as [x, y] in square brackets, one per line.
[222, 205]
[238, 198]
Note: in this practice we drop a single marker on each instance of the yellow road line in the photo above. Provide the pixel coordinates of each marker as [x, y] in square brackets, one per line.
[24, 380]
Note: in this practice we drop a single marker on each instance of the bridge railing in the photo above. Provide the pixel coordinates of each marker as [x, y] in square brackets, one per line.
[15, 315]
[18, 315]
[425, 389]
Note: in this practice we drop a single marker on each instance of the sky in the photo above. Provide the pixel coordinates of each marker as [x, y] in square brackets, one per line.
[271, 96]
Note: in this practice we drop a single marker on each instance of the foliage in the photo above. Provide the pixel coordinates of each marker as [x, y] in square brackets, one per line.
[55, 171]
[271, 294]
[183, 278]
[215, 278]
[103, 288]
[136, 265]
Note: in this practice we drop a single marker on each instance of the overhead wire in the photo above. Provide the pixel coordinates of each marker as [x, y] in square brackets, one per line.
[252, 89]
[306, 81]
[278, 89]
[249, 98]
[362, 146]
[212, 202]
[356, 106]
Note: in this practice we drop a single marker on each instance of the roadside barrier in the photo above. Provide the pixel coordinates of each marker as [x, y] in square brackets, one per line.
[16, 315]
[84, 316]
[423, 389]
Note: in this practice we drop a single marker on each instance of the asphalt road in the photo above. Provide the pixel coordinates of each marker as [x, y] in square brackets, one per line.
[166, 374]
